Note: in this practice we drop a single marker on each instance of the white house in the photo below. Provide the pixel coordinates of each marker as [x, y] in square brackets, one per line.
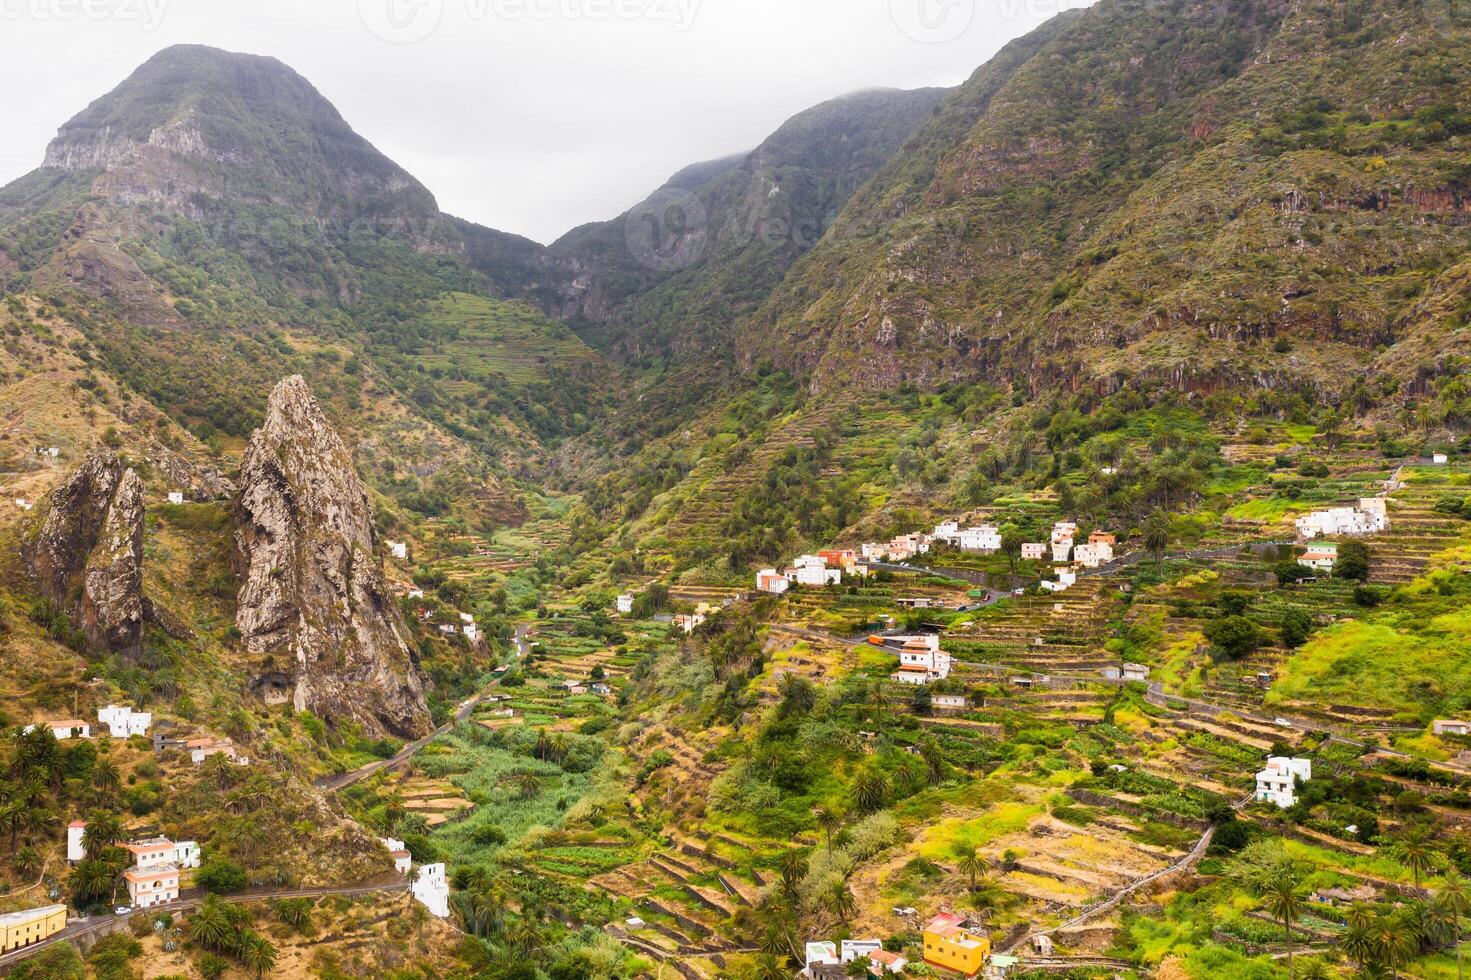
[1136, 672]
[1066, 579]
[153, 886]
[948, 702]
[431, 889]
[625, 604]
[985, 539]
[1277, 783]
[402, 860]
[853, 949]
[123, 721]
[1034, 551]
[772, 581]
[812, 570]
[160, 852]
[176, 497]
[471, 631]
[399, 550]
[64, 728]
[1321, 556]
[1440, 459]
[1445, 727]
[23, 503]
[1093, 555]
[1370, 517]
[921, 661]
[820, 954]
[202, 748]
[688, 624]
[74, 850]
[1062, 549]
[888, 962]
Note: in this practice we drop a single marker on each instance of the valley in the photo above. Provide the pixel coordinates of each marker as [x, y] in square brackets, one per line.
[1023, 531]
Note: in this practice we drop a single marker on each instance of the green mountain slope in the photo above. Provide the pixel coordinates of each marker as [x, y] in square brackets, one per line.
[1144, 191]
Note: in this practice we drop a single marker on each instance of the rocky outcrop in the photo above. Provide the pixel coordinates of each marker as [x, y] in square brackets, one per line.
[313, 601]
[88, 557]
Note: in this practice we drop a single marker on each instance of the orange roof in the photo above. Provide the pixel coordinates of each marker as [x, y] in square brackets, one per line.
[134, 874]
[77, 823]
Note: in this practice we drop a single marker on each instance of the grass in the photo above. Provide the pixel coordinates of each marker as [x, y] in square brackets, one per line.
[940, 841]
[1380, 666]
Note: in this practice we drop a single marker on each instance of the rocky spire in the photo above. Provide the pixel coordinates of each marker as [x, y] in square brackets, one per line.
[88, 557]
[313, 596]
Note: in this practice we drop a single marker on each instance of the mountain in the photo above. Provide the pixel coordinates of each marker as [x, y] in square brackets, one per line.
[668, 276]
[1144, 194]
[213, 224]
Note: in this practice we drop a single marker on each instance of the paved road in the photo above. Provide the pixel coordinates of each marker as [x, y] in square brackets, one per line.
[81, 928]
[465, 710]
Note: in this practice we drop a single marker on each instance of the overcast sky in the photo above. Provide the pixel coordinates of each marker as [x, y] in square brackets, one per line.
[531, 116]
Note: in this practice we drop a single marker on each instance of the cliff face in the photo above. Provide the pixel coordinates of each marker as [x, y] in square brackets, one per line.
[313, 598]
[88, 558]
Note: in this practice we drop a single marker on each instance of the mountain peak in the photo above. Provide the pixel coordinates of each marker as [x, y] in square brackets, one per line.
[191, 116]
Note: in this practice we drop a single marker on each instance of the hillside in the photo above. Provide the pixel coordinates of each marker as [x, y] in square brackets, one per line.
[1139, 193]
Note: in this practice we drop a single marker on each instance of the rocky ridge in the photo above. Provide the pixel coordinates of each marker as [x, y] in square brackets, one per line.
[88, 556]
[313, 602]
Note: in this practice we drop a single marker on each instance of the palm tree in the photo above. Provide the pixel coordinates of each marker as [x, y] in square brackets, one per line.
[770, 966]
[840, 901]
[1357, 942]
[792, 866]
[105, 776]
[257, 953]
[879, 701]
[1315, 969]
[103, 830]
[1454, 899]
[1395, 941]
[527, 784]
[1416, 850]
[1157, 537]
[209, 925]
[970, 862]
[1284, 902]
[828, 821]
[26, 860]
[871, 789]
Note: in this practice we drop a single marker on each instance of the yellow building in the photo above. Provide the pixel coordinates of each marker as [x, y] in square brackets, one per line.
[19, 929]
[951, 943]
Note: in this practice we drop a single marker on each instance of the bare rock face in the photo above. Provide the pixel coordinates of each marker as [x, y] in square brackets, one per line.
[88, 558]
[313, 595]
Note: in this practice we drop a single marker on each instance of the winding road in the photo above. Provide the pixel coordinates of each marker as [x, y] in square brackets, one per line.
[464, 711]
[79, 929]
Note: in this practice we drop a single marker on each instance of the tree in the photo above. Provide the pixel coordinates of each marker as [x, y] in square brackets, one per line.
[1352, 562]
[1234, 636]
[1011, 546]
[1291, 572]
[879, 700]
[1416, 850]
[1394, 940]
[258, 954]
[209, 925]
[770, 966]
[798, 696]
[1157, 537]
[828, 821]
[1284, 902]
[840, 901]
[970, 863]
[220, 876]
[1454, 899]
[871, 789]
[1297, 625]
[103, 830]
[105, 776]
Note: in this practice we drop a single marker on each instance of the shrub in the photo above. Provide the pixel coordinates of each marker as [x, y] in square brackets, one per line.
[1234, 636]
[221, 876]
